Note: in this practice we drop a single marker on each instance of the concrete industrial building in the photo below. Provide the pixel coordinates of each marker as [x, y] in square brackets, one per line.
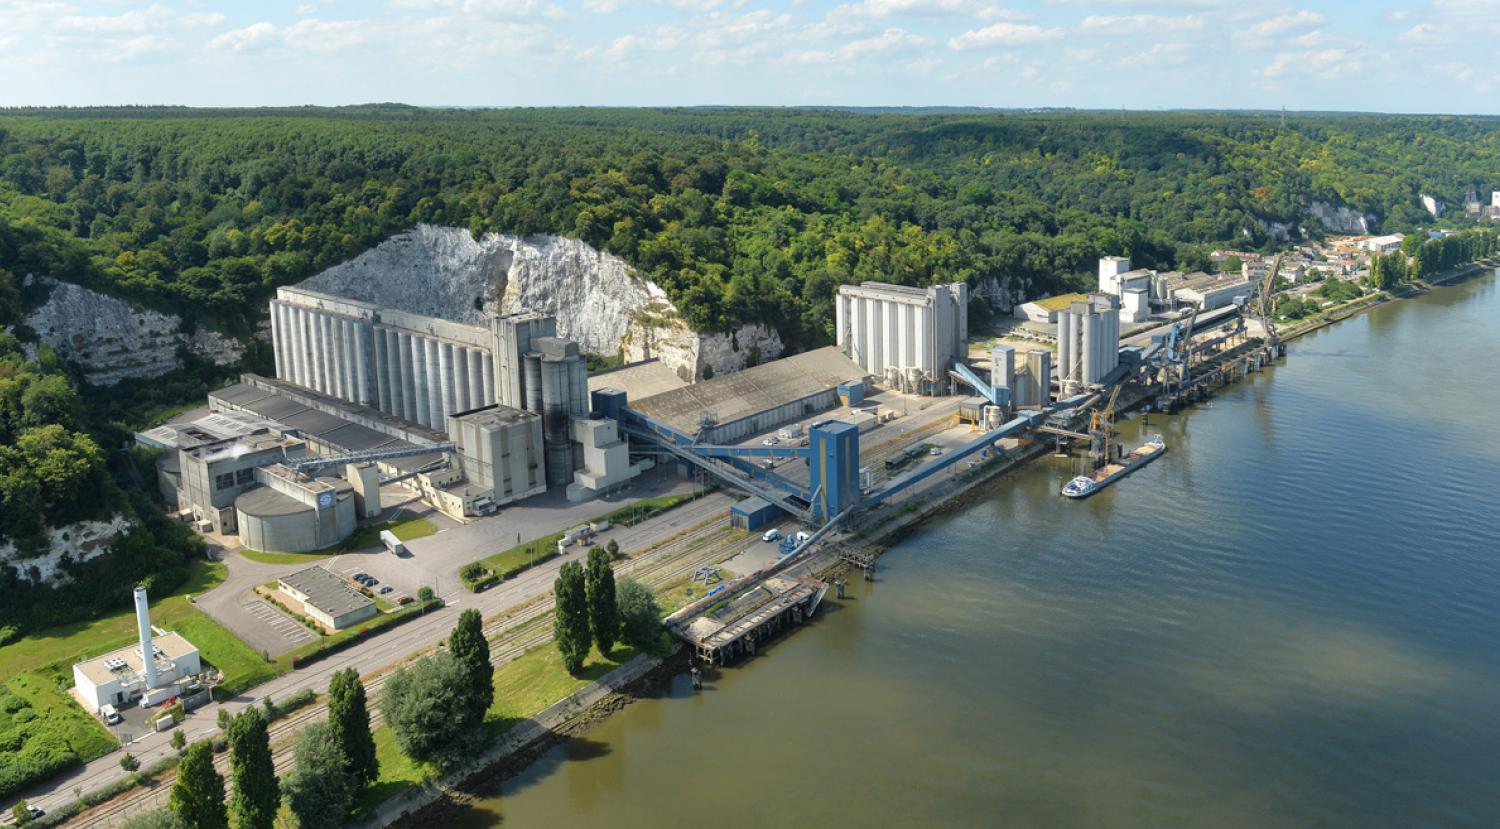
[151, 670]
[1200, 290]
[1088, 342]
[907, 338]
[293, 513]
[1046, 310]
[210, 477]
[1032, 388]
[326, 598]
[757, 399]
[423, 371]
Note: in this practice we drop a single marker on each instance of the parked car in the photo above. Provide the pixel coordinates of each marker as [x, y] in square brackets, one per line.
[771, 535]
[110, 715]
[770, 441]
[802, 442]
[371, 581]
[801, 537]
[384, 590]
[360, 576]
[404, 600]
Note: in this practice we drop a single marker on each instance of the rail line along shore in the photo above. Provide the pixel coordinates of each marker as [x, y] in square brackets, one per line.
[488, 430]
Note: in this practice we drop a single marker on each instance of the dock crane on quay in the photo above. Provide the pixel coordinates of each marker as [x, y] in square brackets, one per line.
[1101, 429]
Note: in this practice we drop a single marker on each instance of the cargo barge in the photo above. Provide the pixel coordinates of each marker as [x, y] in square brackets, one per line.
[1085, 485]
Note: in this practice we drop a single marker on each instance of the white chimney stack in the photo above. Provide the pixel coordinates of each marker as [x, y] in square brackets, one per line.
[143, 619]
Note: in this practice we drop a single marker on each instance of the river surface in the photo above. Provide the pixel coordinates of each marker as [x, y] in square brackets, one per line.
[1292, 619]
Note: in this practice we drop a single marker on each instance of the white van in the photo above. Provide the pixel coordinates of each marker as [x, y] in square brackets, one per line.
[771, 535]
[111, 716]
[801, 537]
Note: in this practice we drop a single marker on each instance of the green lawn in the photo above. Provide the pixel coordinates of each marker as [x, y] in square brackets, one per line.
[675, 596]
[66, 644]
[536, 679]
[523, 688]
[284, 558]
[405, 529]
[397, 772]
[523, 555]
[242, 666]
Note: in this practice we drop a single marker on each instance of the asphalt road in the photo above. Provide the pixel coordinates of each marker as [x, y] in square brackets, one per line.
[393, 646]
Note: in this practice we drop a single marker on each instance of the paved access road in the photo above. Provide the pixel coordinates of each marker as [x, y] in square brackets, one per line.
[413, 637]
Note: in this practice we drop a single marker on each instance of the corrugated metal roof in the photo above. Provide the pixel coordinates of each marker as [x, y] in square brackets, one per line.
[744, 393]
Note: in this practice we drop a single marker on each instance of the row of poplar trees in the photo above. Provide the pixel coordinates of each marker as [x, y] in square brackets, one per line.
[435, 708]
[334, 761]
[593, 610]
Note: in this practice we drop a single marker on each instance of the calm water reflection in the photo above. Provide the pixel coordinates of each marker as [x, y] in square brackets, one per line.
[1290, 620]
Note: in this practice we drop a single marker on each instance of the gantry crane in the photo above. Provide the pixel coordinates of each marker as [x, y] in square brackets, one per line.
[1102, 429]
[1265, 303]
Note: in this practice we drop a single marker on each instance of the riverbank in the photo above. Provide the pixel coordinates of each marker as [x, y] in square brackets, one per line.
[961, 493]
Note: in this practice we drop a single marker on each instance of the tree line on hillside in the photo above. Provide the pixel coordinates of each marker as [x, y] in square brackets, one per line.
[742, 215]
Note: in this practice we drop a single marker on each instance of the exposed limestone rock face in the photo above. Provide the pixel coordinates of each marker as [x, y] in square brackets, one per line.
[1003, 295]
[598, 299]
[442, 272]
[698, 356]
[115, 340]
[1342, 219]
[77, 542]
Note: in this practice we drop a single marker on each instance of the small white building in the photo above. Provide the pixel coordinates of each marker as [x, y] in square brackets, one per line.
[119, 677]
[327, 598]
[1383, 244]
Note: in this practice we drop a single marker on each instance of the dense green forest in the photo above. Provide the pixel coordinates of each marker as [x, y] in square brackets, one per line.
[742, 215]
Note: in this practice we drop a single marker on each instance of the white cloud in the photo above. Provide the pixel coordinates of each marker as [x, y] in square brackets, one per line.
[1320, 63]
[1004, 34]
[1282, 24]
[928, 8]
[251, 37]
[307, 10]
[1138, 23]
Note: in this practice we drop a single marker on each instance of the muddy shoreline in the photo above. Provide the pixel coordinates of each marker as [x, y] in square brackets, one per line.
[491, 780]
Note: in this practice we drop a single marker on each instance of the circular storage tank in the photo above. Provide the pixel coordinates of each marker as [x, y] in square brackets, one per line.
[275, 523]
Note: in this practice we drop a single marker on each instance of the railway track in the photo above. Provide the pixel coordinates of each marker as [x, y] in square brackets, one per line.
[511, 633]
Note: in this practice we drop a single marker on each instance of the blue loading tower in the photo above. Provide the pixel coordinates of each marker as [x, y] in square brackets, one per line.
[833, 460]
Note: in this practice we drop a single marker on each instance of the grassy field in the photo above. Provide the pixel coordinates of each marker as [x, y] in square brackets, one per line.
[405, 529]
[517, 556]
[397, 772]
[242, 666]
[536, 679]
[64, 717]
[69, 643]
[523, 688]
[675, 596]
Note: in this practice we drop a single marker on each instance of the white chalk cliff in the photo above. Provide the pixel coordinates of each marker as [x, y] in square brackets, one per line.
[114, 340]
[598, 299]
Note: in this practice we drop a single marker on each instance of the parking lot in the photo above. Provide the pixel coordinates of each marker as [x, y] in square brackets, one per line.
[288, 628]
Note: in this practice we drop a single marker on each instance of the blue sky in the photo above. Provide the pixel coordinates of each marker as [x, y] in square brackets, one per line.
[1424, 56]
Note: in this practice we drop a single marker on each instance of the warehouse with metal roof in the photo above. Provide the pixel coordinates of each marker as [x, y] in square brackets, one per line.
[758, 398]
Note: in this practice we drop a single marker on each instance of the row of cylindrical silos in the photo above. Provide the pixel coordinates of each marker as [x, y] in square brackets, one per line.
[1088, 345]
[326, 352]
[424, 379]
